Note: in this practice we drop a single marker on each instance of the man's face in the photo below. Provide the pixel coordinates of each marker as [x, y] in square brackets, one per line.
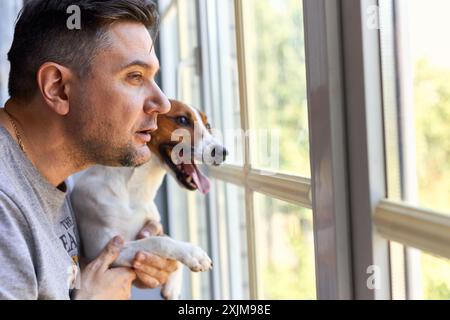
[115, 108]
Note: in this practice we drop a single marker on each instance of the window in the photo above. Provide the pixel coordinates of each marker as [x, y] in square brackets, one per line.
[430, 77]
[435, 282]
[181, 79]
[352, 96]
[423, 276]
[9, 10]
[232, 67]
[418, 111]
[276, 85]
[416, 87]
[285, 251]
[232, 236]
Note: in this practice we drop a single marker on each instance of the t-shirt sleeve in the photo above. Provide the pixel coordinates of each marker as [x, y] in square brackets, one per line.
[17, 273]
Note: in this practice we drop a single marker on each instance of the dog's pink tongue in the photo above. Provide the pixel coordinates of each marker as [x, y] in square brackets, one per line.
[200, 179]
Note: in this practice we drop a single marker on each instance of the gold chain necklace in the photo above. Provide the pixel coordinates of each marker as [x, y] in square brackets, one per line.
[16, 131]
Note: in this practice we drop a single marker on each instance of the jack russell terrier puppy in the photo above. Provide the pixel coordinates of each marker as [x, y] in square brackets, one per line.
[119, 201]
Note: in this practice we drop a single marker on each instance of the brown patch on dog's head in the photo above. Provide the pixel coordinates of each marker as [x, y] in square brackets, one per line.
[196, 125]
[180, 116]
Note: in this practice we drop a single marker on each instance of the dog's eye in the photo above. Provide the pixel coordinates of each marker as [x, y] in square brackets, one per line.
[184, 121]
[208, 126]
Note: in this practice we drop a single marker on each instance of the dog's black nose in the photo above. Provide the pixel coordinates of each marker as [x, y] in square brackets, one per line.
[221, 152]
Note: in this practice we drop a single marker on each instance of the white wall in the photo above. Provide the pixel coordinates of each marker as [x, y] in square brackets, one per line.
[8, 13]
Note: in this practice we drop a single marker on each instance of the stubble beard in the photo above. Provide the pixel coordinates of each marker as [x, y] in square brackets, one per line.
[97, 145]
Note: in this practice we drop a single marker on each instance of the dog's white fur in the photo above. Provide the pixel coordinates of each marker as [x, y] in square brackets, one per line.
[119, 201]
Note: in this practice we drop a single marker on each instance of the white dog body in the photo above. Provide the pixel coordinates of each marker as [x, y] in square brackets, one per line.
[111, 201]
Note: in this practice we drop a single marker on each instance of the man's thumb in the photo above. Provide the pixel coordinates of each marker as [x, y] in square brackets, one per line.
[110, 253]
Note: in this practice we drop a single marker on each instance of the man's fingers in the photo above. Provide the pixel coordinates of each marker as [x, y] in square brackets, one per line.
[126, 274]
[146, 281]
[160, 275]
[109, 254]
[148, 259]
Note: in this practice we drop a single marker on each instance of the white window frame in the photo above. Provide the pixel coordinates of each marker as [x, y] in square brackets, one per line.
[328, 149]
[364, 128]
[353, 220]
[333, 263]
[288, 188]
[404, 223]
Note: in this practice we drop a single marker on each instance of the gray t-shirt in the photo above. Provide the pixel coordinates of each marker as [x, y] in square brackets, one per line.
[38, 235]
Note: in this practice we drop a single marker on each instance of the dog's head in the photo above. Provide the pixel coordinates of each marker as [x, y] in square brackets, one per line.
[184, 139]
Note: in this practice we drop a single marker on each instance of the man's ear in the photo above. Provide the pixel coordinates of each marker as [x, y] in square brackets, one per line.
[54, 82]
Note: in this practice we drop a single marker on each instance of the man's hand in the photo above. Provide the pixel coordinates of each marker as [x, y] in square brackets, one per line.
[99, 282]
[152, 270]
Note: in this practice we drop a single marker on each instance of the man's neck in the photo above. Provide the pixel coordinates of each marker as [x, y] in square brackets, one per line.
[44, 141]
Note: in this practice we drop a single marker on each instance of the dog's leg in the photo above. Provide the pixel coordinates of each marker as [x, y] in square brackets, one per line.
[192, 256]
[171, 290]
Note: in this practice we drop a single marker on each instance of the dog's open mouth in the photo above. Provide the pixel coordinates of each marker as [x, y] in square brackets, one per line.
[188, 174]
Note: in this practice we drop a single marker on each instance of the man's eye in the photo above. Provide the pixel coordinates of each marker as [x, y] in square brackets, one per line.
[184, 121]
[135, 77]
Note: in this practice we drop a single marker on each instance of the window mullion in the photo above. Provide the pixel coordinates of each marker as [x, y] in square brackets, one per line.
[245, 126]
[328, 149]
[365, 139]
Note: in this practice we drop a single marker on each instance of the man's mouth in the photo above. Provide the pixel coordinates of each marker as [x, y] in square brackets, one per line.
[187, 174]
[144, 135]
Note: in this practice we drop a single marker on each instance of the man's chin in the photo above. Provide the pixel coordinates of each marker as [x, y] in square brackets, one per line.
[140, 162]
[136, 158]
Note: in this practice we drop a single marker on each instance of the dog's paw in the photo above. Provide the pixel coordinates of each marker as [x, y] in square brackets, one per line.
[172, 289]
[169, 294]
[196, 259]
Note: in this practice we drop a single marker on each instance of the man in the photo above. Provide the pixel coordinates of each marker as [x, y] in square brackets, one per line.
[79, 97]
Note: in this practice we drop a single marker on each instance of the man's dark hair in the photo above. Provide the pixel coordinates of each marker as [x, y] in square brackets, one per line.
[42, 35]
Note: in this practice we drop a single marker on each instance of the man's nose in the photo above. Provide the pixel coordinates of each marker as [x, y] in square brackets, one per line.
[157, 103]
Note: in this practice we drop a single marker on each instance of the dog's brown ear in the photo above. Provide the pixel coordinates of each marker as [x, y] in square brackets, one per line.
[204, 119]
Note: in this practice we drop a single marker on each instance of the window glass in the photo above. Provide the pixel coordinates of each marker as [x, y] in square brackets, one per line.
[426, 66]
[230, 206]
[285, 250]
[276, 85]
[224, 72]
[188, 69]
[416, 89]
[435, 277]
